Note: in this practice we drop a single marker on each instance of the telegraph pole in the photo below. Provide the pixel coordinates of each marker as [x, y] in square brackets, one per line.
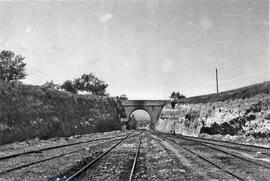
[217, 79]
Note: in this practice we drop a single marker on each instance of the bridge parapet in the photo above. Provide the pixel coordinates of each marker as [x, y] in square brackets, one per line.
[145, 102]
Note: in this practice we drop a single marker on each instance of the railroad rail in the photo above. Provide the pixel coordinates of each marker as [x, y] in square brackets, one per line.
[224, 149]
[64, 154]
[210, 145]
[239, 146]
[226, 144]
[88, 165]
[135, 161]
[202, 158]
[55, 147]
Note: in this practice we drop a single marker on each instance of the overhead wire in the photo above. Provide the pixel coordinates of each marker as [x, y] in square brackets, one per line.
[239, 78]
[242, 77]
[41, 73]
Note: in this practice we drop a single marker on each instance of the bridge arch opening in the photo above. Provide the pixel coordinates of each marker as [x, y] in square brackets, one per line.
[152, 107]
[139, 119]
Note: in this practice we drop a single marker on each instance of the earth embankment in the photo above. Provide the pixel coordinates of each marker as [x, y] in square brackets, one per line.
[31, 111]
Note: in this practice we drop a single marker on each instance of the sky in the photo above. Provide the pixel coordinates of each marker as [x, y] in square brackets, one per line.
[142, 48]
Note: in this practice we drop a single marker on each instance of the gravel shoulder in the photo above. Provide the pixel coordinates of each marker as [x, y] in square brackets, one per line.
[189, 166]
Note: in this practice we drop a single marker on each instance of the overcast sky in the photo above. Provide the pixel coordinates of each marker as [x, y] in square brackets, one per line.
[142, 48]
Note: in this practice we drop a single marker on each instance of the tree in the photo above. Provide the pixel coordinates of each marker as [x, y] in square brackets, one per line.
[123, 97]
[90, 83]
[51, 85]
[69, 86]
[12, 67]
[172, 96]
[177, 95]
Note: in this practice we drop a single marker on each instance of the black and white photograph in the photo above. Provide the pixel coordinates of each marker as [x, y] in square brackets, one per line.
[134, 90]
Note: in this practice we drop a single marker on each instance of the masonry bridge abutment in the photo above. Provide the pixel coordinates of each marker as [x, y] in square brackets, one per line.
[152, 107]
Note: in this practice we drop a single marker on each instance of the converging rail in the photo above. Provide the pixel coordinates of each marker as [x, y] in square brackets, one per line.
[213, 146]
[202, 158]
[216, 153]
[225, 144]
[62, 154]
[55, 147]
[88, 165]
[228, 144]
[135, 161]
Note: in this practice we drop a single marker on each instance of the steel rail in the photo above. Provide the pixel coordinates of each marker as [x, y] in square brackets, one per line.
[229, 142]
[236, 156]
[225, 152]
[135, 161]
[212, 163]
[232, 147]
[208, 141]
[57, 156]
[55, 147]
[205, 159]
[77, 173]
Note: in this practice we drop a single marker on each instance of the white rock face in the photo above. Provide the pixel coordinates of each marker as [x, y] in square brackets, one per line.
[188, 119]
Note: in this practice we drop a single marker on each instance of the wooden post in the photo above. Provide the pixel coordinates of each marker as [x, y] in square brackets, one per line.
[217, 79]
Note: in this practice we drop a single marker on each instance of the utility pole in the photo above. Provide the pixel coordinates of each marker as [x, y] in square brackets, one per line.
[217, 79]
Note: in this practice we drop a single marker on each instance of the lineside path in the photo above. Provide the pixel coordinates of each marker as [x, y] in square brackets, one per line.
[237, 162]
[178, 163]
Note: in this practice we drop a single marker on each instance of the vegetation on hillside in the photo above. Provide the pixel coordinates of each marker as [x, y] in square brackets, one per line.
[123, 97]
[88, 83]
[177, 96]
[51, 85]
[69, 86]
[241, 93]
[12, 67]
[91, 84]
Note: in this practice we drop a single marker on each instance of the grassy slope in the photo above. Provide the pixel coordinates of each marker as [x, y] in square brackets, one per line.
[241, 93]
[28, 111]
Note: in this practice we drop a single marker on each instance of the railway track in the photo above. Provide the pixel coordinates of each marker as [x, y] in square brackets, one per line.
[55, 147]
[226, 144]
[203, 158]
[135, 161]
[80, 172]
[238, 146]
[217, 148]
[62, 154]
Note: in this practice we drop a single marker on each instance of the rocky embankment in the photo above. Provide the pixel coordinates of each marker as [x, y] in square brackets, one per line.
[241, 112]
[30, 111]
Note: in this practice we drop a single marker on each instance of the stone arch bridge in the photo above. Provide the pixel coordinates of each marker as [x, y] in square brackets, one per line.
[152, 107]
